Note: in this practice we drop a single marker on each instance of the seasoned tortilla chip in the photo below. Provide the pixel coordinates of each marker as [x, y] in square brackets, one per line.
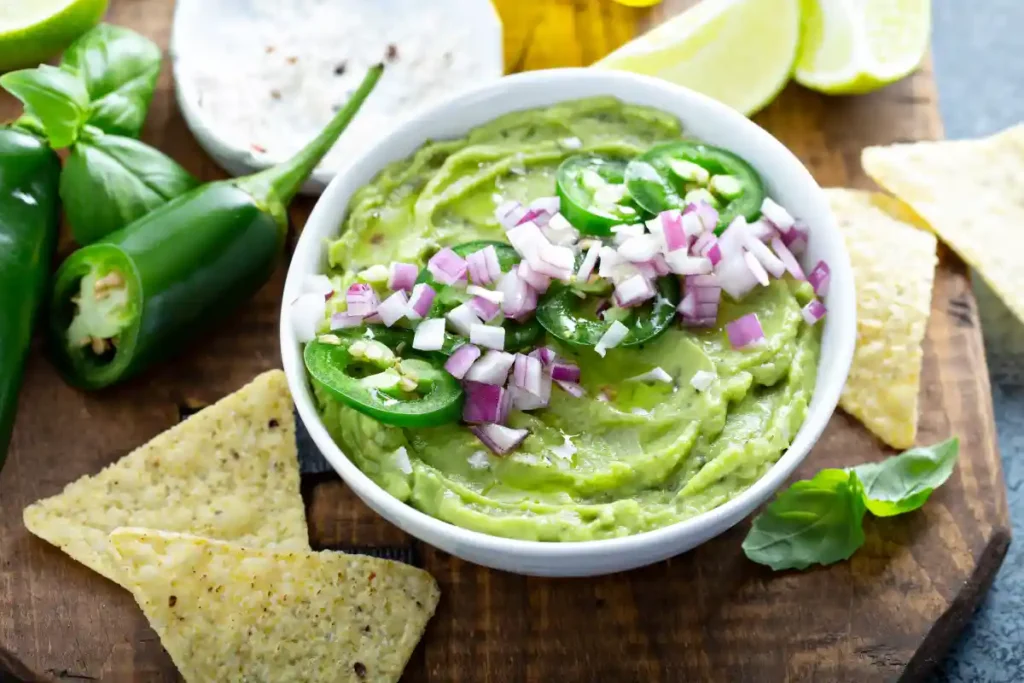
[230, 472]
[227, 613]
[971, 193]
[894, 269]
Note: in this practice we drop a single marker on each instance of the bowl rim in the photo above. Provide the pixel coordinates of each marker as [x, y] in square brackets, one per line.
[420, 524]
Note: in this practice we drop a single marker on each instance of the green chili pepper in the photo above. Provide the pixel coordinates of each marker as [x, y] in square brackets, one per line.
[518, 336]
[593, 195]
[140, 293]
[664, 176]
[404, 392]
[29, 218]
[574, 319]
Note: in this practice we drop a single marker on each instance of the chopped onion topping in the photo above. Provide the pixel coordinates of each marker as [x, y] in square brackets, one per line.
[735, 277]
[429, 335]
[527, 239]
[764, 255]
[361, 299]
[462, 318]
[819, 278]
[447, 267]
[787, 258]
[509, 212]
[756, 269]
[528, 374]
[546, 355]
[776, 215]
[672, 230]
[402, 460]
[796, 238]
[560, 231]
[538, 281]
[393, 308]
[658, 374]
[549, 205]
[564, 371]
[761, 230]
[731, 241]
[492, 368]
[680, 263]
[633, 292]
[624, 232]
[708, 214]
[517, 294]
[476, 263]
[486, 309]
[500, 439]
[345, 320]
[702, 379]
[745, 331]
[611, 338]
[459, 363]
[589, 261]
[706, 245]
[479, 460]
[571, 388]
[813, 311]
[307, 313]
[489, 294]
[558, 262]
[640, 248]
[484, 403]
[318, 284]
[488, 336]
[402, 276]
[420, 301]
[534, 216]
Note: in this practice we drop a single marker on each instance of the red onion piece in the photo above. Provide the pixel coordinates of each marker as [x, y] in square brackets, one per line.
[534, 216]
[672, 229]
[420, 301]
[796, 238]
[459, 363]
[538, 281]
[429, 335]
[549, 205]
[517, 295]
[571, 388]
[345, 320]
[447, 267]
[612, 337]
[509, 212]
[731, 240]
[745, 331]
[524, 400]
[761, 230]
[702, 379]
[819, 278]
[462, 318]
[476, 263]
[546, 354]
[567, 372]
[787, 258]
[402, 276]
[735, 277]
[528, 373]
[527, 239]
[756, 269]
[318, 284]
[708, 214]
[772, 263]
[681, 263]
[499, 439]
[307, 313]
[657, 374]
[560, 231]
[589, 261]
[633, 292]
[493, 265]
[813, 311]
[361, 299]
[660, 265]
[488, 336]
[492, 368]
[484, 403]
[776, 215]
[485, 309]
[393, 308]
[640, 249]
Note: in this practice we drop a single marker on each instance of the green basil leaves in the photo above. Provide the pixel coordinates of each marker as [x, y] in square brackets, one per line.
[55, 101]
[819, 520]
[109, 181]
[119, 69]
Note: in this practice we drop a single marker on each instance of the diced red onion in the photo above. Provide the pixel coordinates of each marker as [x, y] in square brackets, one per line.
[360, 299]
[484, 403]
[776, 215]
[307, 313]
[462, 318]
[476, 263]
[589, 261]
[571, 388]
[657, 374]
[528, 374]
[644, 268]
[372, 319]
[488, 336]
[484, 293]
[672, 230]
[560, 231]
[509, 212]
[393, 308]
[527, 239]
[609, 260]
[554, 261]
[787, 258]
[772, 263]
[549, 205]
[706, 245]
[813, 311]
[708, 214]
[529, 306]
[819, 278]
[688, 306]
[538, 281]
[493, 264]
[420, 301]
[756, 269]
[402, 276]
[447, 267]
[318, 284]
[745, 331]
[429, 335]
[534, 216]
[546, 354]
[621, 233]
[459, 363]
[517, 295]
[731, 241]
[761, 230]
[485, 309]
[492, 368]
[345, 320]
[692, 226]
[524, 400]
[611, 338]
[639, 249]
[500, 439]
[735, 277]
[567, 372]
[660, 265]
[681, 263]
[633, 292]
[796, 238]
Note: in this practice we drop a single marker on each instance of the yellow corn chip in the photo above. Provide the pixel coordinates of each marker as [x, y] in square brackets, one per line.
[230, 472]
[894, 269]
[971, 193]
[227, 613]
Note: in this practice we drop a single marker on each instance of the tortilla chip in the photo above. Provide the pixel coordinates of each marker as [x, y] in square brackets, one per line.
[230, 472]
[228, 613]
[894, 269]
[971, 193]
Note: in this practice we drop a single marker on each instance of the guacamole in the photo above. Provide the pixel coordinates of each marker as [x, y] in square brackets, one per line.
[641, 448]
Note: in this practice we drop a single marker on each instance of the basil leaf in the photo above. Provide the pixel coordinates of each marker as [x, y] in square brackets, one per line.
[904, 482]
[109, 181]
[52, 97]
[119, 68]
[813, 521]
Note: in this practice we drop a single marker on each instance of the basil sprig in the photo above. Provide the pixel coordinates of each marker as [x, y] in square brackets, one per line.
[56, 102]
[818, 521]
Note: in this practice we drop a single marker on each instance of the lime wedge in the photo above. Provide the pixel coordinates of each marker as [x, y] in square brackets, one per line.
[32, 31]
[740, 52]
[856, 46]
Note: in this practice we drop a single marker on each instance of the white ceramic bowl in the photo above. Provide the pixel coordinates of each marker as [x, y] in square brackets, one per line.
[788, 182]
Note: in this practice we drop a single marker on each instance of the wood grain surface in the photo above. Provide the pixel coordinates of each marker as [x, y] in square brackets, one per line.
[710, 615]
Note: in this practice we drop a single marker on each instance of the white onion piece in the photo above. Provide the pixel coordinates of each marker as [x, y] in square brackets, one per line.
[735, 277]
[571, 388]
[538, 281]
[462, 318]
[402, 276]
[702, 379]
[611, 338]
[393, 308]
[587, 267]
[745, 331]
[819, 277]
[487, 336]
[318, 284]
[484, 403]
[560, 231]
[776, 215]
[813, 311]
[657, 374]
[681, 263]
[756, 269]
[307, 314]
[429, 335]
[500, 439]
[487, 310]
[787, 258]
[491, 368]
[493, 264]
[489, 294]
[621, 233]
[609, 260]
[549, 205]
[360, 299]
[345, 320]
[772, 263]
[633, 292]
[639, 249]
[459, 363]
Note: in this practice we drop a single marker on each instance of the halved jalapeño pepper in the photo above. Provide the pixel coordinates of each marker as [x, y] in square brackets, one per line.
[399, 339]
[582, 321]
[518, 336]
[671, 175]
[369, 377]
[593, 194]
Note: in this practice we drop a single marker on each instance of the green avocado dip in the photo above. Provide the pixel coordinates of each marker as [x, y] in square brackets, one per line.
[670, 421]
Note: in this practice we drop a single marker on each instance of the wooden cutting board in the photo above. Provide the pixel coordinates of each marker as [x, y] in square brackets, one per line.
[887, 614]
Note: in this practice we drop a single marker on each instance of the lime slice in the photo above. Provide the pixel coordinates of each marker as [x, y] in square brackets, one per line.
[856, 46]
[740, 52]
[32, 31]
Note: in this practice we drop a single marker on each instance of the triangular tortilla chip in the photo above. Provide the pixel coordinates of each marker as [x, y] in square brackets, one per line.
[227, 613]
[894, 269]
[971, 193]
[230, 472]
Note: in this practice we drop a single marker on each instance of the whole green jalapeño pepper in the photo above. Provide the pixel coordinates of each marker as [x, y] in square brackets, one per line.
[29, 218]
[368, 376]
[592, 194]
[671, 175]
[141, 292]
